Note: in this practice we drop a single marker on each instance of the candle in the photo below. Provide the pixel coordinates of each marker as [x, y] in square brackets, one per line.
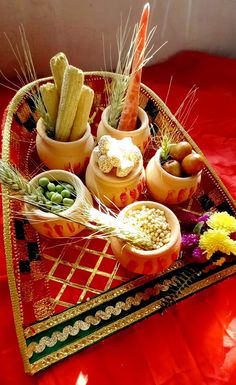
[128, 119]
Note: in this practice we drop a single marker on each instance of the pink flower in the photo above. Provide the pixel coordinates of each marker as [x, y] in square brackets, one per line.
[189, 241]
[203, 218]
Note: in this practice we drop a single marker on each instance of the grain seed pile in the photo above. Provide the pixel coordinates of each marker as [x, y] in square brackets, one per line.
[151, 221]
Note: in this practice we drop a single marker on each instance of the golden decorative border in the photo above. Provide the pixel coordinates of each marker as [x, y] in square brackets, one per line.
[94, 302]
[100, 315]
[11, 109]
[124, 322]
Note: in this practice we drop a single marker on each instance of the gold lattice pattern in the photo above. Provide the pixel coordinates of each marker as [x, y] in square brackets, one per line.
[78, 272]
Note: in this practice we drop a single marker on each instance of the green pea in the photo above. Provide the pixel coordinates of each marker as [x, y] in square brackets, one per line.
[43, 182]
[51, 186]
[59, 188]
[48, 203]
[68, 202]
[69, 186]
[56, 198]
[65, 193]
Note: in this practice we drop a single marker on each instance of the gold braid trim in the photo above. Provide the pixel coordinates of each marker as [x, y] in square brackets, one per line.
[16, 305]
[94, 302]
[122, 323]
[100, 315]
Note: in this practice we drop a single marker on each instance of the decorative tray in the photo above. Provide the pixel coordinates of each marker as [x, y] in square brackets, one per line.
[69, 295]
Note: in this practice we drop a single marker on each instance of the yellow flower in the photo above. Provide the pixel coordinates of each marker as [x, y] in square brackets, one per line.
[212, 241]
[222, 221]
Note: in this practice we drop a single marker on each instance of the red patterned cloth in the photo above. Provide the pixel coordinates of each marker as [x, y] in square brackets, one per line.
[194, 342]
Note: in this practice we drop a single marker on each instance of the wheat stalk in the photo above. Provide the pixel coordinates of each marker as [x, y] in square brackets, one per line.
[116, 89]
[36, 98]
[163, 136]
[11, 178]
[105, 224]
[27, 74]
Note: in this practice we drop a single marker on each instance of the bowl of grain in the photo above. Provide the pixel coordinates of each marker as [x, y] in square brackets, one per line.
[161, 226]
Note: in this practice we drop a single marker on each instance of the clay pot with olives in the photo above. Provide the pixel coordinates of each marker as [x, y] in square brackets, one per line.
[174, 179]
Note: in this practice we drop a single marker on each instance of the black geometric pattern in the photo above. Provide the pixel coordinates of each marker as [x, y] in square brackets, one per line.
[206, 202]
[151, 109]
[24, 266]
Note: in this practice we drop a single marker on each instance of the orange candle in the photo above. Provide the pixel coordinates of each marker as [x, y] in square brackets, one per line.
[128, 119]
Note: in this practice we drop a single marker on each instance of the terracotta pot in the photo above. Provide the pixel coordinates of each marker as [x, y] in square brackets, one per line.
[154, 261]
[71, 156]
[140, 137]
[167, 188]
[111, 189]
[49, 224]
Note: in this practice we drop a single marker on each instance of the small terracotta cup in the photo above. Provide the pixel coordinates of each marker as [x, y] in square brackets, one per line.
[167, 188]
[113, 190]
[72, 156]
[148, 261]
[49, 224]
[140, 137]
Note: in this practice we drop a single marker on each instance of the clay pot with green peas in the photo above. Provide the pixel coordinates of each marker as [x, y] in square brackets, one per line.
[59, 191]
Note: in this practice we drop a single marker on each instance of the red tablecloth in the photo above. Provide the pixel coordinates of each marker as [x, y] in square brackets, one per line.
[194, 342]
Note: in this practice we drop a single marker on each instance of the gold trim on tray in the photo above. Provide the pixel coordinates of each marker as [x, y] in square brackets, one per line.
[120, 306]
[99, 316]
[11, 280]
[101, 299]
[124, 322]
[94, 302]
[11, 109]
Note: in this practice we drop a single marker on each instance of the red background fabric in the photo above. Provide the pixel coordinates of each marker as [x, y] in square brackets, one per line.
[194, 342]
